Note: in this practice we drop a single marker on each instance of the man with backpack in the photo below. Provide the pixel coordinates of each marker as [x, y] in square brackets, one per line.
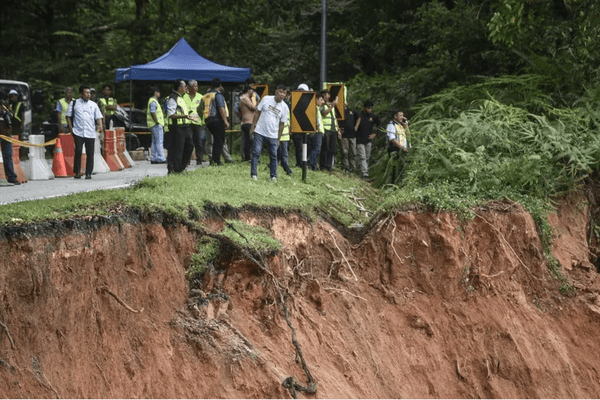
[216, 114]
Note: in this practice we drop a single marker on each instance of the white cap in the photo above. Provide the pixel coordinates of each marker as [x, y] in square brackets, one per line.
[12, 91]
[303, 86]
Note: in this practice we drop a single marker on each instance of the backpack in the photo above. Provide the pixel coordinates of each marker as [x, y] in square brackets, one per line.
[208, 99]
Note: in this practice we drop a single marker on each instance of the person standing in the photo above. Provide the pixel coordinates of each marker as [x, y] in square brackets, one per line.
[364, 135]
[349, 139]
[7, 149]
[93, 95]
[332, 132]
[155, 120]
[84, 120]
[267, 127]
[181, 144]
[16, 108]
[397, 133]
[247, 110]
[61, 110]
[315, 138]
[216, 120]
[283, 149]
[108, 105]
[195, 102]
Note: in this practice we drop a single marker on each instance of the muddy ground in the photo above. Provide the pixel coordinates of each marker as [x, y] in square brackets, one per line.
[420, 305]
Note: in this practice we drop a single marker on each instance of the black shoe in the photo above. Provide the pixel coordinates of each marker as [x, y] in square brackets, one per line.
[158, 162]
[77, 176]
[14, 182]
[88, 177]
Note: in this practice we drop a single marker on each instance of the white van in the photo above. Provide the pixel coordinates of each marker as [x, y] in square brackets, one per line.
[25, 97]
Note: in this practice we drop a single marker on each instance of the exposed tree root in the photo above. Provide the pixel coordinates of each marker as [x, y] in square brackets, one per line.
[338, 247]
[121, 302]
[12, 343]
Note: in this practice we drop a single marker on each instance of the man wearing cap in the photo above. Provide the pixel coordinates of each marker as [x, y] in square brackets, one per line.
[16, 108]
[61, 109]
[155, 121]
[84, 120]
[267, 127]
[93, 95]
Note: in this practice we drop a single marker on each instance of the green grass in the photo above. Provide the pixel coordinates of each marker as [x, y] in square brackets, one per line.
[256, 238]
[333, 194]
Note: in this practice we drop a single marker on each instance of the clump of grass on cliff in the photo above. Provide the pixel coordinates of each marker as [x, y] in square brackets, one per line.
[335, 194]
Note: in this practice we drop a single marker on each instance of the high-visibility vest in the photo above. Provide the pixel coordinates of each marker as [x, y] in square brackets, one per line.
[209, 100]
[194, 105]
[107, 102]
[285, 134]
[16, 111]
[182, 109]
[159, 114]
[329, 121]
[320, 127]
[400, 135]
[65, 106]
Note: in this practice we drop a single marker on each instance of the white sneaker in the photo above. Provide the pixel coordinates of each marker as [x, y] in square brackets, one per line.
[254, 177]
[274, 180]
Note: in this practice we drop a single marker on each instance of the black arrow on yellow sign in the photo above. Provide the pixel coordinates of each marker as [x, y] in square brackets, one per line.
[304, 112]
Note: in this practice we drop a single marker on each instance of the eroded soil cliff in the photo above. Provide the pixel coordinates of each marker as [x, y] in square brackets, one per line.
[423, 305]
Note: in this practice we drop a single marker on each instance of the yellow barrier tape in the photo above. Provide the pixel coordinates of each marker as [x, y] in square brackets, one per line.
[27, 144]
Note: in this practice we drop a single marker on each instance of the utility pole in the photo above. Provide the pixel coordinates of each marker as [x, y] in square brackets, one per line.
[323, 43]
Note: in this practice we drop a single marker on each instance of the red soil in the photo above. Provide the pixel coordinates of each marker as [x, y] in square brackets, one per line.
[424, 306]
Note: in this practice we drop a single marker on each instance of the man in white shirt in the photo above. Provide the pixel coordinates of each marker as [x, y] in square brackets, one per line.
[84, 119]
[267, 126]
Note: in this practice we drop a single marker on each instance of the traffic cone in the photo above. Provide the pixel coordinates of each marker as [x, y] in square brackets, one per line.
[58, 162]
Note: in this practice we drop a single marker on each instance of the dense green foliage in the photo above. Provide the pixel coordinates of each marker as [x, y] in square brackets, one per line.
[394, 52]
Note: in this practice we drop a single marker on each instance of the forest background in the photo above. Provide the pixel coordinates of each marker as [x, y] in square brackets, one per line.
[503, 95]
[394, 52]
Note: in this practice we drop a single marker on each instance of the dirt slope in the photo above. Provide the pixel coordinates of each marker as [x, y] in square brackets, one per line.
[423, 306]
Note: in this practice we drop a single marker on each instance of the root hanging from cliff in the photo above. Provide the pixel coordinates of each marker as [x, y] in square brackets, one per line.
[121, 302]
[290, 382]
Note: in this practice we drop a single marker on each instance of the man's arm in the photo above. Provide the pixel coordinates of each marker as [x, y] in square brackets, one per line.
[254, 121]
[224, 116]
[356, 125]
[248, 103]
[281, 125]
[327, 108]
[99, 125]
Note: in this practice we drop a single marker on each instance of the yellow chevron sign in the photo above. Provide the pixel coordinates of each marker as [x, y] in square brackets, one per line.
[304, 112]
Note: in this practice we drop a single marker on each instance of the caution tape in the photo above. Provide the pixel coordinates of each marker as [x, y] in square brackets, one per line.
[27, 144]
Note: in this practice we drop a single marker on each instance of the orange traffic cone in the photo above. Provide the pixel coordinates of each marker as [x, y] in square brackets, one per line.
[58, 162]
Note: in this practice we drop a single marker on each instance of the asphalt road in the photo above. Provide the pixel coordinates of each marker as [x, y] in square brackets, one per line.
[45, 189]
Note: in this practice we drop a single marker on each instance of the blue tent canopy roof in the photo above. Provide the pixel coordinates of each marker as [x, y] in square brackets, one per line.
[181, 62]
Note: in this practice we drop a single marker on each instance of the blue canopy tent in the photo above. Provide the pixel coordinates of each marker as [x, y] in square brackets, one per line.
[181, 62]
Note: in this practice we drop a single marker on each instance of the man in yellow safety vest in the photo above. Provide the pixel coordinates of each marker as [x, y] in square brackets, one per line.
[61, 110]
[155, 120]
